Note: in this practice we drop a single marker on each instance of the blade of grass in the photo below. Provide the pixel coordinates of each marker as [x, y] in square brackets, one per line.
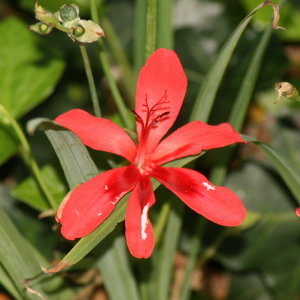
[114, 266]
[166, 252]
[210, 85]
[124, 113]
[289, 174]
[21, 261]
[241, 104]
[120, 56]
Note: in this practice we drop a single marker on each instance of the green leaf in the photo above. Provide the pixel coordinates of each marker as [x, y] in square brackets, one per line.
[282, 164]
[210, 85]
[21, 262]
[29, 73]
[114, 266]
[7, 283]
[74, 158]
[29, 192]
[166, 253]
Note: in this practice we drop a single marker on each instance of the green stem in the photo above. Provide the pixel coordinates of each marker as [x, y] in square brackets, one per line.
[120, 56]
[28, 157]
[162, 221]
[107, 71]
[90, 78]
[140, 16]
[151, 27]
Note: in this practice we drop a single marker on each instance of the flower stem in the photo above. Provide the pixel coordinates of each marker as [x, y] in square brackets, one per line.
[151, 27]
[27, 156]
[90, 78]
[162, 221]
[124, 113]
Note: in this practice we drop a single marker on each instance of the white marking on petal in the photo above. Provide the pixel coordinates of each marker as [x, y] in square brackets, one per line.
[144, 221]
[77, 212]
[106, 187]
[208, 186]
[99, 214]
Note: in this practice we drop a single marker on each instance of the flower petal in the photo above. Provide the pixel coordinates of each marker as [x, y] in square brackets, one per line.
[88, 205]
[98, 133]
[161, 79]
[192, 138]
[139, 232]
[218, 204]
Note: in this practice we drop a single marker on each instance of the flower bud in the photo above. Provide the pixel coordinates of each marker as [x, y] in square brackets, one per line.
[87, 31]
[41, 28]
[68, 12]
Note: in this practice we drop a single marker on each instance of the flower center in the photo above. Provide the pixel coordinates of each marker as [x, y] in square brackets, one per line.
[153, 116]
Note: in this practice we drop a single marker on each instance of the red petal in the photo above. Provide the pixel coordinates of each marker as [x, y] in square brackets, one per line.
[91, 203]
[217, 204]
[192, 138]
[139, 232]
[162, 75]
[98, 133]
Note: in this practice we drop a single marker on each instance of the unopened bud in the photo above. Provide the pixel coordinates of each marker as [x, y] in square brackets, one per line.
[68, 12]
[87, 31]
[297, 212]
[41, 28]
[78, 31]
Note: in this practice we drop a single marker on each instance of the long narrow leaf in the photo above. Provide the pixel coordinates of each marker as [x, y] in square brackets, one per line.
[167, 251]
[21, 261]
[74, 158]
[284, 167]
[212, 81]
[114, 267]
[241, 104]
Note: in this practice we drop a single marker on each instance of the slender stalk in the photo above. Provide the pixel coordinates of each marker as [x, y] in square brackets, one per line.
[90, 78]
[162, 221]
[107, 71]
[27, 156]
[120, 56]
[139, 42]
[191, 263]
[165, 37]
[151, 27]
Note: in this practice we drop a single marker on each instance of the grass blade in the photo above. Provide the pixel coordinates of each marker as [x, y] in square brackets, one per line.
[283, 166]
[212, 81]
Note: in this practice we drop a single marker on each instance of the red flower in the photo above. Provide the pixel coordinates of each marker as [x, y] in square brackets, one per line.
[160, 91]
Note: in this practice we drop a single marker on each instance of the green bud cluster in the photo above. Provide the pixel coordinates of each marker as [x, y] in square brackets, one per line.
[67, 19]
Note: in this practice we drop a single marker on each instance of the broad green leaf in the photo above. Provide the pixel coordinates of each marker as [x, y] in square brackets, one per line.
[29, 192]
[21, 262]
[114, 266]
[30, 69]
[283, 166]
[210, 85]
[29, 72]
